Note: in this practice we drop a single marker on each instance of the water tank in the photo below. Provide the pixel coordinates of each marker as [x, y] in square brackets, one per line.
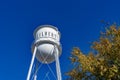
[47, 40]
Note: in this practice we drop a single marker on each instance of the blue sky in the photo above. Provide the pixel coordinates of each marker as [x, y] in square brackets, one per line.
[77, 20]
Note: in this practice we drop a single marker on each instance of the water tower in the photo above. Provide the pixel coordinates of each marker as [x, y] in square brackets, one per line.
[46, 48]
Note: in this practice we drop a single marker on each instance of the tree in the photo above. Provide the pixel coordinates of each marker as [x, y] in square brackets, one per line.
[105, 65]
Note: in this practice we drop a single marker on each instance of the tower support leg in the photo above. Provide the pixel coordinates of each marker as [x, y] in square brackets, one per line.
[35, 77]
[31, 65]
[57, 64]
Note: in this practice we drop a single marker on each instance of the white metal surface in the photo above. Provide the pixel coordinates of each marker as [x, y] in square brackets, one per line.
[57, 64]
[32, 61]
[35, 77]
[47, 32]
[45, 37]
[46, 48]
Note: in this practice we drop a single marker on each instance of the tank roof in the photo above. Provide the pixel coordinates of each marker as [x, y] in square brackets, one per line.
[43, 26]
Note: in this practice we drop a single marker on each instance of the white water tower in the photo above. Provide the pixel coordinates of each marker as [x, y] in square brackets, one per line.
[46, 48]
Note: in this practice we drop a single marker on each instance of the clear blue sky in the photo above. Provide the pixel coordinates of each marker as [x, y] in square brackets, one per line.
[77, 20]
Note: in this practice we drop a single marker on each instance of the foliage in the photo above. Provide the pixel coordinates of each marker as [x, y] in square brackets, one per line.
[105, 65]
